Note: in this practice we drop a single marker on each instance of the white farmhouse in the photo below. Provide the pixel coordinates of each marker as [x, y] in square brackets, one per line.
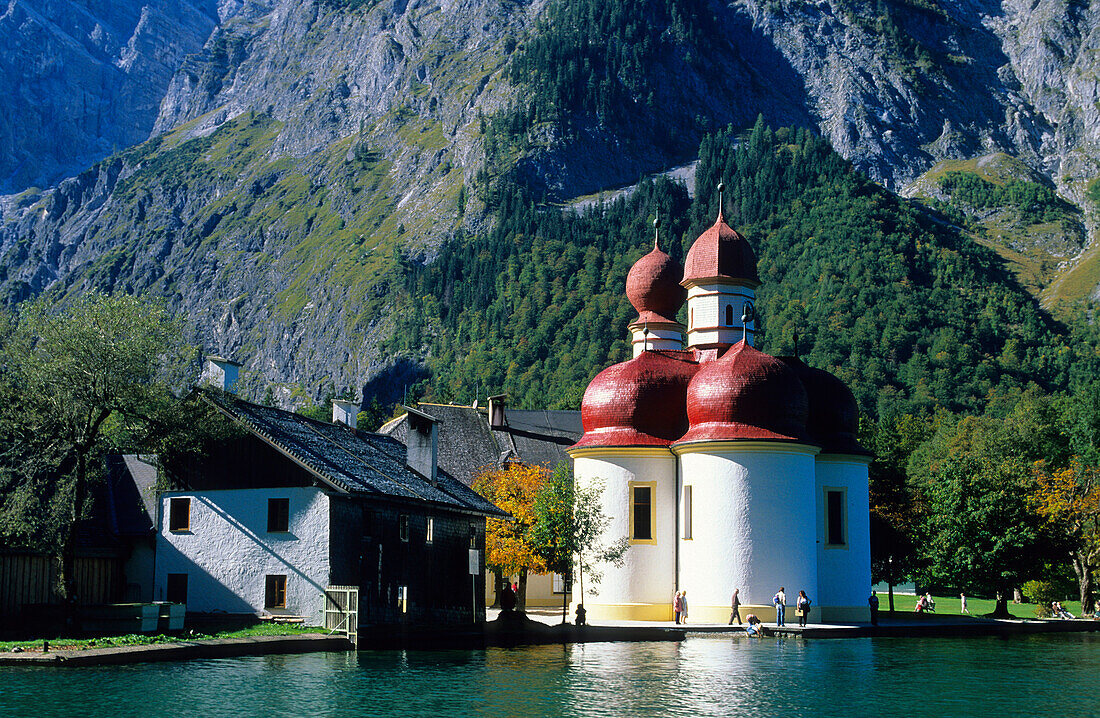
[285, 506]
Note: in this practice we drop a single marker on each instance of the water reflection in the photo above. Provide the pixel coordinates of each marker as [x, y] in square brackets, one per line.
[1054, 675]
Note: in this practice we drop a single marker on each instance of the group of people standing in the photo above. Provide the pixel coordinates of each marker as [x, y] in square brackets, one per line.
[779, 600]
[680, 607]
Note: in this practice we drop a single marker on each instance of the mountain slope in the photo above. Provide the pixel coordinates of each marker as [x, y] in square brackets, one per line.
[314, 153]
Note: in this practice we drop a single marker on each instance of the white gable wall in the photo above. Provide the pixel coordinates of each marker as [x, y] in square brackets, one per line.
[228, 552]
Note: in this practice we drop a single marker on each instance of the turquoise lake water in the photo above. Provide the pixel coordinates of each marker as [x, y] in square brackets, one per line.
[935, 678]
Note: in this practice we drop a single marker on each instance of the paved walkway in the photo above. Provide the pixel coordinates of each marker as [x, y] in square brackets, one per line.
[896, 624]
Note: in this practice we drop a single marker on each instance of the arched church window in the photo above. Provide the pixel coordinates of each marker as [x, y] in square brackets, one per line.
[729, 315]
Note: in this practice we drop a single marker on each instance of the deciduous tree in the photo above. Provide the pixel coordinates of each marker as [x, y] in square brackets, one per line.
[508, 545]
[65, 372]
[569, 531]
[1070, 499]
[980, 529]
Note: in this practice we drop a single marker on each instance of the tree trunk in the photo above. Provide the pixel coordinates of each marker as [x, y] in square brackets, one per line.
[1084, 581]
[68, 547]
[890, 590]
[521, 598]
[580, 580]
[1001, 609]
[65, 587]
[498, 581]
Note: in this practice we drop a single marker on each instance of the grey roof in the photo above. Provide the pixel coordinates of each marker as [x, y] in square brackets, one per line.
[358, 462]
[131, 492]
[467, 444]
[538, 436]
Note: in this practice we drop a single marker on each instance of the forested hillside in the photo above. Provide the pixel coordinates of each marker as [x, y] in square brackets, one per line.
[871, 286]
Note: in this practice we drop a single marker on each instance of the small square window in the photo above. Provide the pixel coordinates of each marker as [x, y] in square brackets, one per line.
[430, 534]
[275, 592]
[278, 515]
[179, 514]
[403, 527]
[176, 590]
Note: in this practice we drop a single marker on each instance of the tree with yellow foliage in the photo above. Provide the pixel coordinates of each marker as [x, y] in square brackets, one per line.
[508, 550]
[1070, 499]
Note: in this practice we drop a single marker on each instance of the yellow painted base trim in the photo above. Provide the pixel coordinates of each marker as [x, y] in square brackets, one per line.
[625, 611]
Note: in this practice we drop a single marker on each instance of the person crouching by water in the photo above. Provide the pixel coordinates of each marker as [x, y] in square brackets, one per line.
[753, 627]
[802, 608]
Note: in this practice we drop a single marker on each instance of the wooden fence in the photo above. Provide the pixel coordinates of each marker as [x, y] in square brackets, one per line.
[29, 579]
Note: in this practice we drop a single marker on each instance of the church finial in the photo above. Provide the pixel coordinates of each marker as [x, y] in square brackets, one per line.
[721, 203]
[656, 226]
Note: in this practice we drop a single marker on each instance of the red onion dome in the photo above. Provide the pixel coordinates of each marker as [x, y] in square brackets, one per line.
[721, 251]
[638, 402]
[833, 413]
[746, 395]
[653, 287]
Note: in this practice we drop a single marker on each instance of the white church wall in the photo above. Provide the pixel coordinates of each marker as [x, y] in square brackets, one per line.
[753, 526]
[227, 551]
[642, 588]
[844, 571]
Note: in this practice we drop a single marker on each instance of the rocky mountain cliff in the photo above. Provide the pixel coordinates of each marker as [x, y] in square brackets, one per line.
[81, 80]
[311, 148]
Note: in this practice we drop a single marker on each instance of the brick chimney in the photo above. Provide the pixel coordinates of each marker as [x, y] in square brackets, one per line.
[345, 412]
[219, 372]
[422, 442]
[496, 411]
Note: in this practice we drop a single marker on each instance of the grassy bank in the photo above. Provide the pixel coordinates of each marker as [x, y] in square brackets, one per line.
[949, 605]
[144, 639]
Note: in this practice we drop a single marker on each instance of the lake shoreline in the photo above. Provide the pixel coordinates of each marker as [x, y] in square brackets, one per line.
[520, 630]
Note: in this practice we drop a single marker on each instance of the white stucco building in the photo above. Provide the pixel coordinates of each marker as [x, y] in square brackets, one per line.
[725, 468]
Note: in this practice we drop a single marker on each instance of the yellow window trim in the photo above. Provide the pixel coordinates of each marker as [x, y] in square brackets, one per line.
[652, 510]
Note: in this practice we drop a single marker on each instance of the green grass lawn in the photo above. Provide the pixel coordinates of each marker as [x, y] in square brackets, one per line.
[145, 639]
[949, 605]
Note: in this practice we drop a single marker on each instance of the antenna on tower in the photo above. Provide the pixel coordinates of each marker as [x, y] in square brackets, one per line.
[748, 313]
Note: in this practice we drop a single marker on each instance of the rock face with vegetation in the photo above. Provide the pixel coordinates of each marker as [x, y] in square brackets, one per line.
[311, 166]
